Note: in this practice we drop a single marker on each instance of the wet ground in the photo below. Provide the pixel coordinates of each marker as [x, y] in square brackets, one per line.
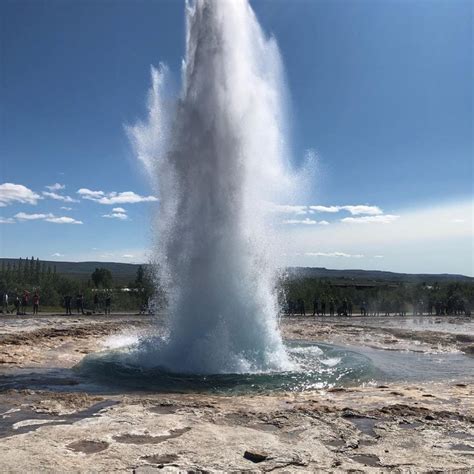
[53, 420]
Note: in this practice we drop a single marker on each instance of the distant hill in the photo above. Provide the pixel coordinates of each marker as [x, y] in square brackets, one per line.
[124, 273]
[376, 275]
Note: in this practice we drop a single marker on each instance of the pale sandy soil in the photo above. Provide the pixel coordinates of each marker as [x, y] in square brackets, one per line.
[401, 427]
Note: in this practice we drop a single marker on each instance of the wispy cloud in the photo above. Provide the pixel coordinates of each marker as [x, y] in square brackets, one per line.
[127, 255]
[421, 240]
[64, 208]
[63, 220]
[117, 213]
[382, 219]
[23, 216]
[287, 208]
[57, 254]
[331, 209]
[89, 194]
[56, 187]
[306, 221]
[7, 220]
[59, 197]
[333, 254]
[10, 193]
[363, 209]
[301, 210]
[355, 210]
[126, 197]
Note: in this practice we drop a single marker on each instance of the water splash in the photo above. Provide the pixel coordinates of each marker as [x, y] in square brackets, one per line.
[216, 157]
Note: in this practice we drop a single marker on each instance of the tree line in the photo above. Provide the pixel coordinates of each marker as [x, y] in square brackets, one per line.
[35, 276]
[447, 298]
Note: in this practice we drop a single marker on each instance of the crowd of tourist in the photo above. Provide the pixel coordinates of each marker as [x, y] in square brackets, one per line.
[19, 303]
[329, 306]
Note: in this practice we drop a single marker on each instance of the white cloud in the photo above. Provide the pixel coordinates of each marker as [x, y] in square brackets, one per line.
[458, 221]
[331, 209]
[378, 256]
[333, 254]
[66, 208]
[355, 210]
[7, 220]
[63, 220]
[10, 193]
[116, 215]
[119, 209]
[23, 216]
[363, 209]
[59, 197]
[287, 208]
[127, 256]
[421, 240]
[89, 194]
[57, 254]
[382, 219]
[56, 187]
[305, 221]
[126, 197]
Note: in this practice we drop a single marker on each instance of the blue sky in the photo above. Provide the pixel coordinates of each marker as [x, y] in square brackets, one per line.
[380, 90]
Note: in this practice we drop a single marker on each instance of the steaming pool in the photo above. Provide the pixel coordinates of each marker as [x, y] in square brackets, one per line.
[320, 366]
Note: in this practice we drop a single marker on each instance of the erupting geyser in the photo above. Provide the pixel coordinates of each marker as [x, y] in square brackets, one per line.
[217, 156]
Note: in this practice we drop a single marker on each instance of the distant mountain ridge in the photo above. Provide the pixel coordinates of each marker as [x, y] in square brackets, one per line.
[122, 272]
[126, 272]
[376, 275]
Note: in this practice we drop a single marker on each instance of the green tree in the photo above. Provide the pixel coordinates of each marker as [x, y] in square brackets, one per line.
[37, 271]
[140, 276]
[102, 278]
[19, 274]
[31, 270]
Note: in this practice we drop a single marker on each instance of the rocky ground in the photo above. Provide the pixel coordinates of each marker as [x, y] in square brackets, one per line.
[402, 427]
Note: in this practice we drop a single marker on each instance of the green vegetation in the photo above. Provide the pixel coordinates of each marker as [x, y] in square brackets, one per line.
[32, 275]
[377, 297]
[130, 287]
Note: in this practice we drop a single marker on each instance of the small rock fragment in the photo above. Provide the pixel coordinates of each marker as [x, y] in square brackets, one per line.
[255, 456]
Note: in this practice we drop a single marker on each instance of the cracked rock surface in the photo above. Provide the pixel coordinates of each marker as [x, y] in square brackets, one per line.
[396, 427]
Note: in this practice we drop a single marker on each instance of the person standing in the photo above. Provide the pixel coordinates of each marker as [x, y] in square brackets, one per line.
[108, 301]
[17, 304]
[24, 302]
[315, 306]
[80, 303]
[36, 301]
[5, 303]
[96, 303]
[67, 304]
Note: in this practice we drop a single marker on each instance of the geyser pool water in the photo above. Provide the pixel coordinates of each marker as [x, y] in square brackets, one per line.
[217, 156]
[316, 366]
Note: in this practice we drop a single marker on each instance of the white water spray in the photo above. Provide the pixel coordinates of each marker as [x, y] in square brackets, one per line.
[216, 157]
